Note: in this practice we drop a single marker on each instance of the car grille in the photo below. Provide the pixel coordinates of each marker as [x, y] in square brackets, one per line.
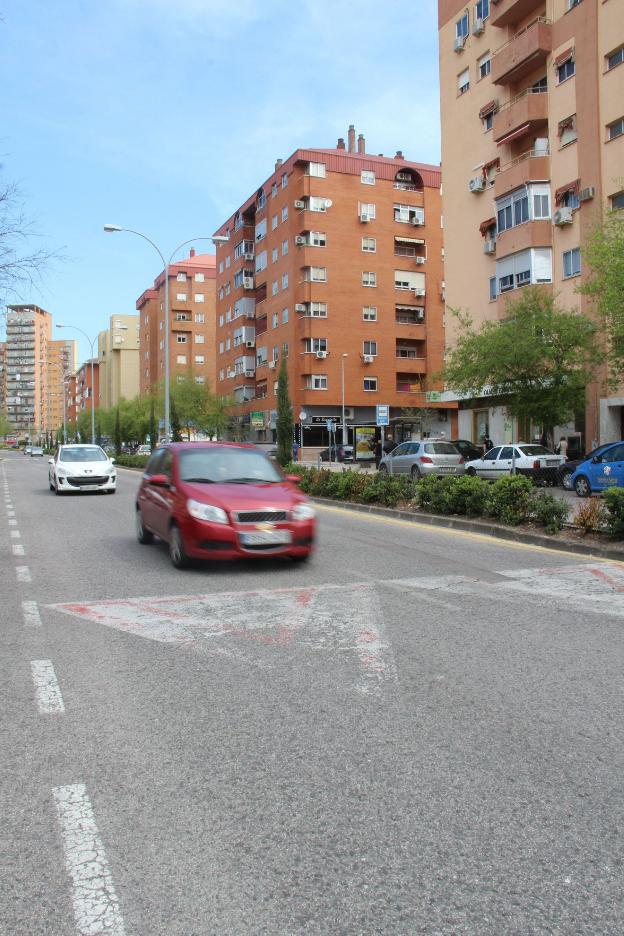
[86, 481]
[261, 516]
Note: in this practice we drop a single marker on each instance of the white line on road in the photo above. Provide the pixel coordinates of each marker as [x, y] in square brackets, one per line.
[15, 534]
[18, 549]
[96, 908]
[30, 610]
[47, 689]
[12, 522]
[23, 574]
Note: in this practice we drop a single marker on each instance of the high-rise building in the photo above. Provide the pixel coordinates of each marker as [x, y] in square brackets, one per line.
[532, 104]
[336, 263]
[192, 323]
[118, 360]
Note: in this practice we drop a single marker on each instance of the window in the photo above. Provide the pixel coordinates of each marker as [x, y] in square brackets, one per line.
[315, 274]
[572, 3]
[200, 379]
[199, 318]
[261, 230]
[408, 214]
[274, 190]
[461, 27]
[228, 260]
[316, 169]
[317, 204]
[316, 382]
[275, 319]
[317, 239]
[406, 279]
[615, 129]
[369, 313]
[566, 70]
[228, 344]
[370, 383]
[275, 353]
[181, 339]
[617, 201]
[274, 222]
[488, 121]
[615, 58]
[367, 210]
[541, 202]
[512, 210]
[492, 288]
[182, 317]
[274, 255]
[285, 349]
[199, 277]
[369, 244]
[463, 81]
[181, 359]
[312, 345]
[367, 177]
[221, 267]
[284, 248]
[571, 262]
[261, 261]
[369, 347]
[316, 310]
[526, 266]
[220, 321]
[284, 316]
[285, 213]
[285, 281]
[570, 199]
[181, 277]
[567, 130]
[482, 9]
[484, 65]
[199, 358]
[274, 288]
[200, 339]
[284, 180]
[199, 297]
[181, 297]
[369, 279]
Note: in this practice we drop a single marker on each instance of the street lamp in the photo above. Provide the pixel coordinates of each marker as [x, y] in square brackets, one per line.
[91, 343]
[344, 428]
[216, 239]
[65, 375]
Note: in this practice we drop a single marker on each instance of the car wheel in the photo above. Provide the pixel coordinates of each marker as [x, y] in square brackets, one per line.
[582, 487]
[566, 480]
[416, 473]
[471, 471]
[177, 553]
[51, 486]
[112, 491]
[383, 469]
[142, 533]
[57, 489]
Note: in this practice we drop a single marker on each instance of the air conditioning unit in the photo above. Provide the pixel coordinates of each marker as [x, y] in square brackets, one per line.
[299, 204]
[300, 307]
[349, 412]
[417, 222]
[368, 358]
[272, 365]
[586, 193]
[250, 344]
[459, 44]
[231, 373]
[478, 27]
[420, 260]
[419, 292]
[321, 355]
[476, 184]
[248, 282]
[249, 255]
[300, 240]
[249, 373]
[562, 216]
[489, 245]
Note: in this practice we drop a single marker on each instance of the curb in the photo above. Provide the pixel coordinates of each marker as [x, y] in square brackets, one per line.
[495, 530]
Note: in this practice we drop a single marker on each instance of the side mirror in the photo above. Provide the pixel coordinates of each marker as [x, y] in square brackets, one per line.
[159, 480]
[293, 478]
[50, 461]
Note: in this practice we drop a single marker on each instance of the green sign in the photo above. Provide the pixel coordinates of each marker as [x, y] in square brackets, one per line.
[257, 420]
[433, 396]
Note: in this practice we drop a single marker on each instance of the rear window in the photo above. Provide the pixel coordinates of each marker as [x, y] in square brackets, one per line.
[536, 450]
[440, 448]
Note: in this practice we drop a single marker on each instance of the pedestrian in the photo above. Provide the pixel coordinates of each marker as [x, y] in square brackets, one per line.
[562, 448]
[295, 451]
[487, 443]
[378, 452]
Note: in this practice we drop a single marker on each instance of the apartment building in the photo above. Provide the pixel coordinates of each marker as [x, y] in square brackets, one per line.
[118, 360]
[192, 323]
[84, 388]
[336, 263]
[532, 103]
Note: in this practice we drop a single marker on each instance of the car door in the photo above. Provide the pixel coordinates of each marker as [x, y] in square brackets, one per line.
[162, 496]
[488, 464]
[147, 491]
[608, 471]
[399, 462]
[504, 461]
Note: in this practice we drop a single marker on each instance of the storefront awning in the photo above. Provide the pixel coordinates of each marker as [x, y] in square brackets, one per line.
[408, 240]
[522, 131]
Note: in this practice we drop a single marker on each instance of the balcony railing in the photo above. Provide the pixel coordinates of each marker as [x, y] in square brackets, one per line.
[523, 52]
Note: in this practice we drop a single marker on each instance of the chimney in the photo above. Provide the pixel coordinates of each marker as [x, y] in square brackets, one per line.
[341, 143]
[399, 154]
[192, 252]
[278, 163]
[351, 138]
[361, 143]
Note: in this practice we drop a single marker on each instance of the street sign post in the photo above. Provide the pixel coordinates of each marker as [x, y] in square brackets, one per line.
[383, 415]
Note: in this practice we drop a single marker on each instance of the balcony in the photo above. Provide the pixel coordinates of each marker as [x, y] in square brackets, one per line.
[508, 12]
[523, 53]
[530, 167]
[524, 236]
[529, 108]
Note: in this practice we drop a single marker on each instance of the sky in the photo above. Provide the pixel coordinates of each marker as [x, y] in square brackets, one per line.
[164, 115]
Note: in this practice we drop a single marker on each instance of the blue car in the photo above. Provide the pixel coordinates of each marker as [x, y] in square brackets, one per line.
[602, 471]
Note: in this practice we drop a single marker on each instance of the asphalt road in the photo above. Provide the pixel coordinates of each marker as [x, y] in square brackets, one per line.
[418, 733]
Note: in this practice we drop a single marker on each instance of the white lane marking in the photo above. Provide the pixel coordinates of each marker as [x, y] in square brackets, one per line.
[15, 534]
[30, 610]
[96, 908]
[12, 522]
[18, 549]
[23, 574]
[47, 689]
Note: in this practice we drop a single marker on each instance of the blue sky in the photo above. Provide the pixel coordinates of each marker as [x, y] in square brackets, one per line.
[163, 115]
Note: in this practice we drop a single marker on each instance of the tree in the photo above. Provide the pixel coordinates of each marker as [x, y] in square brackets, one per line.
[536, 361]
[176, 435]
[5, 426]
[603, 255]
[285, 426]
[117, 433]
[153, 429]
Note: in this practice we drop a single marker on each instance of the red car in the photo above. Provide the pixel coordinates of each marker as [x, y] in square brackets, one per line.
[220, 500]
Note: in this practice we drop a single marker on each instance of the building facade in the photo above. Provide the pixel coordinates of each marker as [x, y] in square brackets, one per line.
[532, 105]
[192, 324]
[118, 361]
[336, 264]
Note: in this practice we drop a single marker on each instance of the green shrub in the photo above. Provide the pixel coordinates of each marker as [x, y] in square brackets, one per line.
[131, 461]
[550, 512]
[614, 503]
[510, 500]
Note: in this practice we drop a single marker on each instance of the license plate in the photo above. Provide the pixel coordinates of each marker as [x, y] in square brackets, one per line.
[551, 463]
[89, 487]
[446, 470]
[266, 538]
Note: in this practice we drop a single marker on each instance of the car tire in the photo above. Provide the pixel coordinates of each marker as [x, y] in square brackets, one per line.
[112, 491]
[57, 489]
[50, 485]
[177, 553]
[472, 472]
[566, 480]
[383, 469]
[582, 487]
[143, 535]
[416, 473]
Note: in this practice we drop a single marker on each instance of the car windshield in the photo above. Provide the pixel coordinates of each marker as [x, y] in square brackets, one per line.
[227, 465]
[536, 450]
[90, 453]
[440, 448]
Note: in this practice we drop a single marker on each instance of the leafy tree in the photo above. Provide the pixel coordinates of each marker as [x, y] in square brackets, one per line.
[5, 426]
[285, 425]
[153, 428]
[536, 361]
[603, 254]
[117, 433]
[176, 435]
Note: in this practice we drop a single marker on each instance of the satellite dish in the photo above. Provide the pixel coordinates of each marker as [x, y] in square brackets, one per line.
[328, 203]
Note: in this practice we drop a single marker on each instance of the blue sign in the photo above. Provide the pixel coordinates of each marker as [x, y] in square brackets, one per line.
[330, 425]
[383, 415]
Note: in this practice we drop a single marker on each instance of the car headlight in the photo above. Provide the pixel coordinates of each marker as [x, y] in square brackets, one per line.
[303, 512]
[206, 512]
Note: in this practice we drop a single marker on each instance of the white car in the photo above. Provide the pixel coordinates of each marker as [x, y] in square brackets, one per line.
[531, 459]
[82, 468]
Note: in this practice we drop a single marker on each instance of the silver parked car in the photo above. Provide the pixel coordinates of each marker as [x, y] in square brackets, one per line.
[417, 459]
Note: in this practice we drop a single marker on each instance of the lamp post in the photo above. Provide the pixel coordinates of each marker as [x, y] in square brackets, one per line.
[344, 428]
[65, 375]
[216, 239]
[91, 343]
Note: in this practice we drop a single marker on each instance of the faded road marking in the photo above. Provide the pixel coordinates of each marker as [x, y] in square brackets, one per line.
[96, 908]
[47, 689]
[15, 534]
[18, 549]
[23, 574]
[31, 614]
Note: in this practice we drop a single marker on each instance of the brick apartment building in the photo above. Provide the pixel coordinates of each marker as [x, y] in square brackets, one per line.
[532, 103]
[336, 262]
[192, 321]
[79, 392]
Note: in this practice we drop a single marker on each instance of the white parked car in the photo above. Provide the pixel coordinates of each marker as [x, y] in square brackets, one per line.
[531, 459]
[82, 468]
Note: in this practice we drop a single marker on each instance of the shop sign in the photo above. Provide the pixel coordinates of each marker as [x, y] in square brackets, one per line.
[433, 396]
[257, 420]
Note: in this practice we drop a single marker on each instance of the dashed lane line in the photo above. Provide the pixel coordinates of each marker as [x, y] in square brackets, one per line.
[30, 610]
[18, 549]
[47, 689]
[23, 574]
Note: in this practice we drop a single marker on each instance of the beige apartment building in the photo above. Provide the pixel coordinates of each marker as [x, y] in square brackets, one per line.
[118, 360]
[532, 106]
